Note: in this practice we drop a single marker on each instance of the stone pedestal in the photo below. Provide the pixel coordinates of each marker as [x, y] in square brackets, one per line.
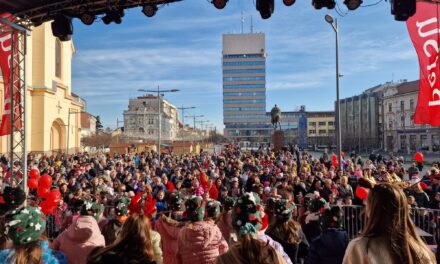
[278, 140]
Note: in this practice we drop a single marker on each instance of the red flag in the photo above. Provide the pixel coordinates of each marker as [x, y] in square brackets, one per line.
[5, 65]
[424, 29]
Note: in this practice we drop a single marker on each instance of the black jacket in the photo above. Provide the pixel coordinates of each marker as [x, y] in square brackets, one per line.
[328, 248]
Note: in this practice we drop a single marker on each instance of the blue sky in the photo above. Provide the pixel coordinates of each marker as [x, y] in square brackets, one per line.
[180, 48]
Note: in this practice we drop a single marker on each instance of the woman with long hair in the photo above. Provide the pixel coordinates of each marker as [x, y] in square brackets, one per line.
[389, 235]
[133, 245]
[25, 227]
[246, 219]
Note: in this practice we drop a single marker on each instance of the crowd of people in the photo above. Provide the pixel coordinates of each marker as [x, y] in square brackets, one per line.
[229, 207]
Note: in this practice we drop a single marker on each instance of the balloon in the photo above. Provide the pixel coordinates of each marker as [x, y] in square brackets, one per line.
[46, 207]
[45, 181]
[418, 157]
[8, 175]
[361, 193]
[334, 157]
[34, 174]
[32, 184]
[43, 192]
[54, 197]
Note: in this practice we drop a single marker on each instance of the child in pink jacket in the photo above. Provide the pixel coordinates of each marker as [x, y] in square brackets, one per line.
[199, 242]
[169, 228]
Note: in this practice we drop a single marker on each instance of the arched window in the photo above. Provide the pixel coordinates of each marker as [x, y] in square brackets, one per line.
[58, 53]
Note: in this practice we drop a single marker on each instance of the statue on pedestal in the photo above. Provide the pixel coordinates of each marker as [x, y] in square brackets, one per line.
[276, 117]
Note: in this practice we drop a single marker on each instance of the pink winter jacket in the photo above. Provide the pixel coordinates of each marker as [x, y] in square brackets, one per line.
[225, 226]
[200, 243]
[80, 238]
[169, 230]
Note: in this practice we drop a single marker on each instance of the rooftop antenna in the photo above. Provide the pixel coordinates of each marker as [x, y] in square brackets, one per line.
[242, 21]
[252, 25]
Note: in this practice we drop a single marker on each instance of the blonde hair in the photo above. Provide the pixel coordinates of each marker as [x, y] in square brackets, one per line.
[391, 220]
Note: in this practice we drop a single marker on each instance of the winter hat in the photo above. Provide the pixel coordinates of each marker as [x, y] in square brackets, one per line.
[212, 208]
[121, 206]
[246, 216]
[26, 225]
[316, 204]
[175, 201]
[195, 209]
[283, 211]
[331, 218]
[89, 208]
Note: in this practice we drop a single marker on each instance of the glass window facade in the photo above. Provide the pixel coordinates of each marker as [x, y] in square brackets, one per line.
[256, 101]
[241, 56]
[242, 63]
[245, 94]
[247, 109]
[242, 86]
[237, 79]
[238, 71]
[245, 116]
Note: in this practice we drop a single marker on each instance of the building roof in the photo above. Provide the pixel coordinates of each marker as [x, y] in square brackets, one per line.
[408, 87]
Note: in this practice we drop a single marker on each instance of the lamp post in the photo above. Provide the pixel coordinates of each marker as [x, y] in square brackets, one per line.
[194, 118]
[159, 92]
[183, 121]
[334, 23]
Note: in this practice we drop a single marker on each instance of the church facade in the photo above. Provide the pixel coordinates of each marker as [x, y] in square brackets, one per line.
[53, 111]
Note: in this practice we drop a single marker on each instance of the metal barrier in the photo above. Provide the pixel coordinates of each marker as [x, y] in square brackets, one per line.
[427, 220]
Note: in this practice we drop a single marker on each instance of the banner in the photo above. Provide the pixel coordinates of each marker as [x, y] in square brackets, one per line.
[424, 30]
[5, 65]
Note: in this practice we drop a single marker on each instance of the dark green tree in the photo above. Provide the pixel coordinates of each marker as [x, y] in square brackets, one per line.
[99, 126]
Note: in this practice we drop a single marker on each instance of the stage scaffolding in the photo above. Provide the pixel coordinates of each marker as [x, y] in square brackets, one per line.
[17, 139]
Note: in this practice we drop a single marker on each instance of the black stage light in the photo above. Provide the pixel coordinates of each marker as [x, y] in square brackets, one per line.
[219, 4]
[113, 16]
[353, 4]
[265, 7]
[289, 2]
[403, 9]
[107, 19]
[149, 10]
[318, 4]
[62, 27]
[87, 18]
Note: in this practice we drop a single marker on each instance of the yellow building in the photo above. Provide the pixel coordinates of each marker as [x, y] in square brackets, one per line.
[321, 129]
[49, 99]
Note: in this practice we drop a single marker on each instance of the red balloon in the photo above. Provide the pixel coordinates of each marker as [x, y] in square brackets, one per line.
[32, 184]
[43, 192]
[54, 197]
[361, 193]
[45, 181]
[418, 157]
[34, 174]
[46, 207]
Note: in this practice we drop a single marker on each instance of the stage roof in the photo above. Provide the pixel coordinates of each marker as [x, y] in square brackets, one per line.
[39, 11]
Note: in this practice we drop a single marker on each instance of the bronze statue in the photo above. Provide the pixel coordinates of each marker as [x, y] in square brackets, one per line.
[276, 117]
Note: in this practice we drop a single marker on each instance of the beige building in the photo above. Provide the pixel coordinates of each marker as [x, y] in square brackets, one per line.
[400, 132]
[141, 119]
[49, 99]
[321, 129]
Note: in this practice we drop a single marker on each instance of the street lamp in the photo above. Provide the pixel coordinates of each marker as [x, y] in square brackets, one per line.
[183, 120]
[334, 23]
[159, 92]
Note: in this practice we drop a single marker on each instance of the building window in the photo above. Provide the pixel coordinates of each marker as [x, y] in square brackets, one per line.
[424, 142]
[312, 124]
[402, 121]
[321, 123]
[411, 104]
[331, 123]
[312, 131]
[413, 142]
[403, 142]
[150, 121]
[402, 106]
[412, 120]
[390, 107]
[58, 53]
[150, 132]
[331, 131]
[390, 123]
[322, 132]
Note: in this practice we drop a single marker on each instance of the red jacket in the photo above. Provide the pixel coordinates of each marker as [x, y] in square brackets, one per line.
[170, 186]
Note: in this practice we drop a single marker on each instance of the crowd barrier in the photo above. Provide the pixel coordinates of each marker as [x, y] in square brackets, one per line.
[427, 222]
